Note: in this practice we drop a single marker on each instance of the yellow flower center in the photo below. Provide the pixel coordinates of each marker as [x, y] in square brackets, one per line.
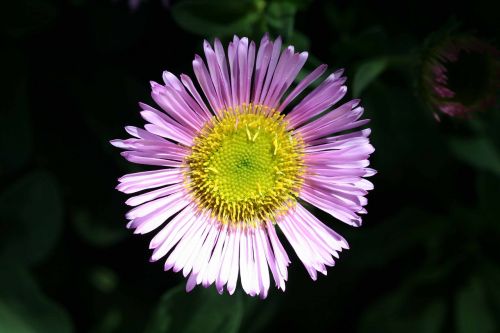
[244, 166]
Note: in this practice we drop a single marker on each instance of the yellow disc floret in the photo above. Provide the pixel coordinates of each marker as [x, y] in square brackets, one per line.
[245, 166]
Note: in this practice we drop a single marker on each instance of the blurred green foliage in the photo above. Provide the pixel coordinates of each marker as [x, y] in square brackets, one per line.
[366, 73]
[205, 308]
[25, 309]
[426, 259]
[32, 208]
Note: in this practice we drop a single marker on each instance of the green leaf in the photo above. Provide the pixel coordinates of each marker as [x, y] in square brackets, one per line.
[31, 219]
[477, 152]
[367, 73]
[25, 309]
[259, 314]
[472, 312]
[387, 316]
[491, 281]
[109, 322]
[300, 41]
[488, 192]
[104, 279]
[404, 311]
[216, 18]
[280, 17]
[94, 230]
[202, 310]
[427, 231]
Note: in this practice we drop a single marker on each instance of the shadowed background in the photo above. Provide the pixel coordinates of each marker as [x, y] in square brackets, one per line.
[425, 260]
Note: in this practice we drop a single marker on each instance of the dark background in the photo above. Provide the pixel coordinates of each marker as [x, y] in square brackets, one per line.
[426, 259]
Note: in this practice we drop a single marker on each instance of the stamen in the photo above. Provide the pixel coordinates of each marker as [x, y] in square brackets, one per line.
[244, 166]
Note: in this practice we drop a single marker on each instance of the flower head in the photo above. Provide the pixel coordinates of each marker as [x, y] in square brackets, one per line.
[460, 75]
[239, 162]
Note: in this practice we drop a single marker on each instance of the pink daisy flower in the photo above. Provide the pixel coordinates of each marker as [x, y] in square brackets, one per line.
[460, 76]
[238, 162]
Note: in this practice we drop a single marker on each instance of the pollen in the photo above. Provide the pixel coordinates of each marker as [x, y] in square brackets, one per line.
[245, 167]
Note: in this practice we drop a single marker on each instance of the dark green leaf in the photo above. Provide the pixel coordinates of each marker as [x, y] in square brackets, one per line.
[366, 73]
[425, 232]
[477, 152]
[300, 41]
[25, 309]
[104, 279]
[259, 314]
[280, 18]
[472, 312]
[202, 310]
[110, 322]
[31, 219]
[404, 310]
[95, 231]
[488, 190]
[216, 18]
[491, 281]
